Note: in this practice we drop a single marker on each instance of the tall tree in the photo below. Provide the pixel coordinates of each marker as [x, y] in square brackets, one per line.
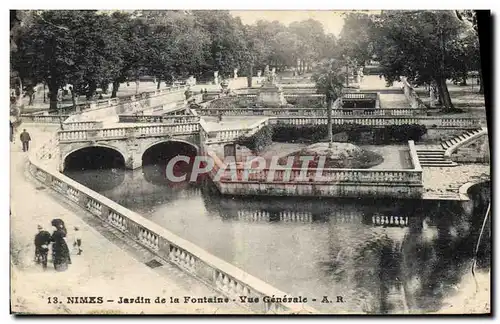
[419, 45]
[329, 81]
[356, 37]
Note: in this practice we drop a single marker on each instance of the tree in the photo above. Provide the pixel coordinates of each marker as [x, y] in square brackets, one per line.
[419, 45]
[311, 37]
[356, 37]
[330, 81]
[470, 17]
[226, 38]
[67, 46]
[129, 35]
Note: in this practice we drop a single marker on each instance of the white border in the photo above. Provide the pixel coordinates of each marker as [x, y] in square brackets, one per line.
[199, 4]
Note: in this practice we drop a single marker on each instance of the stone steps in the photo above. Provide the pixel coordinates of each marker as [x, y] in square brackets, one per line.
[434, 158]
[460, 138]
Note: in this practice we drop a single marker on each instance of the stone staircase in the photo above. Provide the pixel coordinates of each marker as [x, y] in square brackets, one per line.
[460, 138]
[435, 157]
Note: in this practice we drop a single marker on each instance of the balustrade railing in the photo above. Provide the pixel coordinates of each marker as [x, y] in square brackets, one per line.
[124, 132]
[50, 119]
[175, 119]
[216, 273]
[227, 135]
[320, 112]
[381, 121]
[82, 125]
[242, 174]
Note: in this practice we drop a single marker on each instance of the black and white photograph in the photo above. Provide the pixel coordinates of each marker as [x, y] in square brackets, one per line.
[250, 162]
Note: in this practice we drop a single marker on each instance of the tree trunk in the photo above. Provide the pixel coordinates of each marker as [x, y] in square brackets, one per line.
[249, 76]
[53, 96]
[464, 80]
[481, 88]
[158, 84]
[329, 114]
[444, 95]
[91, 90]
[73, 98]
[116, 85]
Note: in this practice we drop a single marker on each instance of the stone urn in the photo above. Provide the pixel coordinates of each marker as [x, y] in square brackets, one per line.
[225, 85]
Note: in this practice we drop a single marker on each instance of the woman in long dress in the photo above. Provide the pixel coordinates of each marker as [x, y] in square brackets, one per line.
[60, 251]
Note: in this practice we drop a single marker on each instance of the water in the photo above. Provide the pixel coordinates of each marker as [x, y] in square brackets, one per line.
[316, 247]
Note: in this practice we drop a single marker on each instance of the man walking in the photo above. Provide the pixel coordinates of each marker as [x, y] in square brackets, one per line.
[25, 139]
[42, 241]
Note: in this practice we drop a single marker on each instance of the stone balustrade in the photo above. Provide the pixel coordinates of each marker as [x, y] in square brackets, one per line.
[126, 132]
[320, 112]
[314, 95]
[360, 95]
[173, 119]
[382, 121]
[99, 104]
[237, 180]
[82, 125]
[216, 273]
[49, 119]
[229, 135]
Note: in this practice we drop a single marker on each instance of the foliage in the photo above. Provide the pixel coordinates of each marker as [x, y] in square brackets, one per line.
[89, 49]
[362, 159]
[258, 141]
[317, 133]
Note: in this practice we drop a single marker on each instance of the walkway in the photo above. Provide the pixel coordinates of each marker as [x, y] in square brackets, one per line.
[110, 266]
[387, 100]
[444, 183]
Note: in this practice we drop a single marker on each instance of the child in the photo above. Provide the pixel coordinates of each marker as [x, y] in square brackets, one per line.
[77, 244]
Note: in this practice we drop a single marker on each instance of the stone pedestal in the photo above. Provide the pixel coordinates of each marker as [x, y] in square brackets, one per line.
[271, 95]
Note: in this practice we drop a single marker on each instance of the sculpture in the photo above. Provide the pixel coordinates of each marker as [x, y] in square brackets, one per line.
[216, 77]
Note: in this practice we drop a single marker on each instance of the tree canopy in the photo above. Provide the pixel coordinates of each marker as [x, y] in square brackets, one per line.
[89, 49]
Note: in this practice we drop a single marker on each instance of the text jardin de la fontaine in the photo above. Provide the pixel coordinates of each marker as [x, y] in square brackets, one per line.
[194, 300]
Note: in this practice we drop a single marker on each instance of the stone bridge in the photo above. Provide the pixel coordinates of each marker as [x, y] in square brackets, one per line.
[130, 142]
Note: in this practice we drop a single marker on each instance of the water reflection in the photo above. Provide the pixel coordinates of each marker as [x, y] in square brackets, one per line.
[380, 256]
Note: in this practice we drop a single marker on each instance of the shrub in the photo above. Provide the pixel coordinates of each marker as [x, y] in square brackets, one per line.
[258, 141]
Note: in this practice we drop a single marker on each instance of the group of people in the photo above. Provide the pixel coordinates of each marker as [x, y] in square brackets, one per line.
[60, 251]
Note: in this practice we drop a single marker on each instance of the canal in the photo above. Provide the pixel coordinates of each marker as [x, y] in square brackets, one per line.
[378, 256]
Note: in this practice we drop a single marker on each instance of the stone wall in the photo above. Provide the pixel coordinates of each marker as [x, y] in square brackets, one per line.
[477, 151]
[217, 274]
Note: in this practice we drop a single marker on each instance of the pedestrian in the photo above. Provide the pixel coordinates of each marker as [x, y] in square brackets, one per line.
[42, 241]
[60, 251]
[11, 131]
[219, 117]
[77, 243]
[25, 139]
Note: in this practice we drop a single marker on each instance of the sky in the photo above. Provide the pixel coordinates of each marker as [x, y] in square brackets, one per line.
[332, 20]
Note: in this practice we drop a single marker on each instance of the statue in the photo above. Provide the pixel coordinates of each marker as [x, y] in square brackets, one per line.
[216, 77]
[235, 73]
[259, 73]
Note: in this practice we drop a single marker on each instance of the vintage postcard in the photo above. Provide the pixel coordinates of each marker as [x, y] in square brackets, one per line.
[249, 162]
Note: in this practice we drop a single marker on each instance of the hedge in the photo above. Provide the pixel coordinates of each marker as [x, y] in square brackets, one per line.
[317, 133]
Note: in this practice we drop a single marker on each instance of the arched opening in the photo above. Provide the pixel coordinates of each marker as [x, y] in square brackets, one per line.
[156, 158]
[96, 167]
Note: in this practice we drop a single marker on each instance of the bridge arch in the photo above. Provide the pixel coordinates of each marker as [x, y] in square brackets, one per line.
[120, 157]
[173, 140]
